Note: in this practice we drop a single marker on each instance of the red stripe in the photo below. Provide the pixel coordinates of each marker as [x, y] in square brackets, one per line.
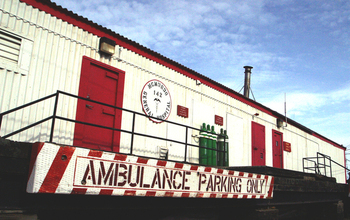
[245, 196]
[179, 165]
[194, 167]
[142, 160]
[129, 193]
[36, 148]
[185, 195]
[241, 174]
[224, 196]
[169, 194]
[253, 196]
[79, 191]
[271, 187]
[258, 176]
[57, 169]
[231, 172]
[106, 192]
[220, 171]
[207, 169]
[95, 153]
[120, 157]
[200, 195]
[213, 195]
[151, 193]
[250, 175]
[235, 196]
[161, 163]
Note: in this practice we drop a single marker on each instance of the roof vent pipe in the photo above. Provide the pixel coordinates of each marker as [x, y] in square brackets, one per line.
[247, 72]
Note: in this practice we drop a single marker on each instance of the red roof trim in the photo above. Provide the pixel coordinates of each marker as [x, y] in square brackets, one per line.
[79, 21]
[100, 31]
[329, 141]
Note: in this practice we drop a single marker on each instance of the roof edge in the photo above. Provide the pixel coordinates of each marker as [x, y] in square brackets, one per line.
[90, 26]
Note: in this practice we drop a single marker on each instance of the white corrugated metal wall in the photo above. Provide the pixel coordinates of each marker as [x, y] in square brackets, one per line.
[56, 56]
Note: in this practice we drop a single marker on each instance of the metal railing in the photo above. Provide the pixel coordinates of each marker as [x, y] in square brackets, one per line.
[55, 117]
[322, 164]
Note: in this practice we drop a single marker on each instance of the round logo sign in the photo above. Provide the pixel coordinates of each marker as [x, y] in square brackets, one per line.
[156, 100]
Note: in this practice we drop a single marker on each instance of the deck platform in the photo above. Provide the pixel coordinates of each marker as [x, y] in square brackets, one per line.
[294, 192]
[292, 187]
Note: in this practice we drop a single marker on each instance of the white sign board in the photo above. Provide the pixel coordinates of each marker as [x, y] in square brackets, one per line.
[70, 170]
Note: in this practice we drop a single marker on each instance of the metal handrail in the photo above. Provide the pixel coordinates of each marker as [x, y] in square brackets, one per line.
[314, 168]
[132, 132]
[318, 166]
[23, 106]
[323, 165]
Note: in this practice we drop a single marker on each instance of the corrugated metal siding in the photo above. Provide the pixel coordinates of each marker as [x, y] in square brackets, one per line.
[302, 142]
[55, 65]
[58, 48]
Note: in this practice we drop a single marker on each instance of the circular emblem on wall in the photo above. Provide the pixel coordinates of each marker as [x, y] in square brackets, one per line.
[156, 100]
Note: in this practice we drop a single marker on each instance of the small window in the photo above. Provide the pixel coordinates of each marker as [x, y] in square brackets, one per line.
[15, 52]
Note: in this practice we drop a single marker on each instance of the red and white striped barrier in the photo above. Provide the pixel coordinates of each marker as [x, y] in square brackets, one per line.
[73, 170]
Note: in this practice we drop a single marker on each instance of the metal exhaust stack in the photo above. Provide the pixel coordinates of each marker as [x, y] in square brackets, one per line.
[247, 72]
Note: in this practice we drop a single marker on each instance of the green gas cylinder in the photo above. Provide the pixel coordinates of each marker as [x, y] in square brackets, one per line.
[220, 146]
[213, 136]
[203, 143]
[210, 147]
[226, 163]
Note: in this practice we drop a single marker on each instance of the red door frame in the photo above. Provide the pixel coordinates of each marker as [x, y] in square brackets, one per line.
[261, 151]
[83, 85]
[273, 148]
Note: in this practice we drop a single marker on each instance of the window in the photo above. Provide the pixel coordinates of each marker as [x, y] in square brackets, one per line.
[15, 52]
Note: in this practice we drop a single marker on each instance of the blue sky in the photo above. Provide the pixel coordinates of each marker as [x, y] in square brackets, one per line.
[297, 48]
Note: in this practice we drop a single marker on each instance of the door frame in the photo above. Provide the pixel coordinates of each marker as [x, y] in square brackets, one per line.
[83, 85]
[273, 148]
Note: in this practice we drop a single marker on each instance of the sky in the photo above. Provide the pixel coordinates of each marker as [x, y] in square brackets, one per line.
[298, 49]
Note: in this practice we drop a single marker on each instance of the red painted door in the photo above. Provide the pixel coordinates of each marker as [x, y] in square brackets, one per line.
[258, 144]
[277, 150]
[101, 83]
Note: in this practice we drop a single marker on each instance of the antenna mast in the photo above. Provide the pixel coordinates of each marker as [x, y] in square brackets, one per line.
[285, 108]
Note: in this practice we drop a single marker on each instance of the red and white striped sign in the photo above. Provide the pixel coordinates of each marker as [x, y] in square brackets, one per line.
[73, 170]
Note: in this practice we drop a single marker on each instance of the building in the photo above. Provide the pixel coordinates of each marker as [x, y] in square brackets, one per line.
[46, 48]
